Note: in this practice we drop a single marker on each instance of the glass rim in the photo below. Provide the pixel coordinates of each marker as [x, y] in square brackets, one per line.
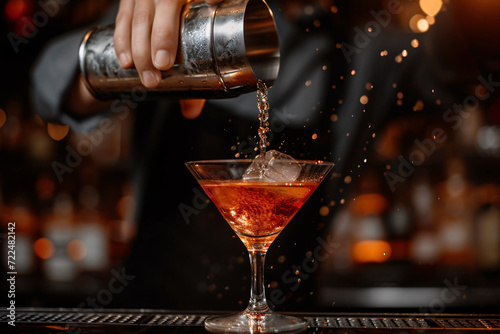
[226, 161]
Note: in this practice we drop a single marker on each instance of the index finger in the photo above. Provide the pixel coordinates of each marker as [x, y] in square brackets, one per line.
[123, 33]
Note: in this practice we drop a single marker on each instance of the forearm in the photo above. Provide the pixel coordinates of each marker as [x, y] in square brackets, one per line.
[80, 103]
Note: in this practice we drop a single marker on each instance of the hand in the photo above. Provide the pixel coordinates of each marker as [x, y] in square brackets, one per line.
[146, 36]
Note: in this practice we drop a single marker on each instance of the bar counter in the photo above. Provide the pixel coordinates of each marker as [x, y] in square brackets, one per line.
[62, 320]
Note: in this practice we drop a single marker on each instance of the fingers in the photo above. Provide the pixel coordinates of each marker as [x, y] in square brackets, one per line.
[146, 36]
[191, 109]
[123, 33]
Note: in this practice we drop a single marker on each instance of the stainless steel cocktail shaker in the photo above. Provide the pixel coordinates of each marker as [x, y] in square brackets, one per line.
[223, 51]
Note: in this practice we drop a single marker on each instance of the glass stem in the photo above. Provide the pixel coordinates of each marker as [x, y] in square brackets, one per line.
[257, 303]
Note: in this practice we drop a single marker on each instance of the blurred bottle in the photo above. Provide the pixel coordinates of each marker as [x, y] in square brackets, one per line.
[424, 245]
[89, 246]
[487, 242]
[56, 234]
[455, 215]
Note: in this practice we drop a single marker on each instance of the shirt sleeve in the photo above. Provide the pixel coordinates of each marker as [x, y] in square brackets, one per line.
[54, 72]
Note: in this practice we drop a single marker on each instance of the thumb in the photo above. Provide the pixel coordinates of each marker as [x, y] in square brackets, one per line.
[192, 108]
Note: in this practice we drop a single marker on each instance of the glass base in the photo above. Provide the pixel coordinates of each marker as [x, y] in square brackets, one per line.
[249, 322]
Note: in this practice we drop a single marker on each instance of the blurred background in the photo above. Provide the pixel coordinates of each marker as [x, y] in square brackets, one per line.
[416, 226]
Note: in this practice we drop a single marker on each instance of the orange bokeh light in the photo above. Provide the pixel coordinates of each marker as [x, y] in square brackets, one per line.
[369, 204]
[44, 248]
[15, 9]
[77, 250]
[423, 25]
[431, 7]
[371, 251]
[57, 131]
[418, 22]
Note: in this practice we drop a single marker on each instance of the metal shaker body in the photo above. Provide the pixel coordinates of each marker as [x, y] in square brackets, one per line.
[223, 51]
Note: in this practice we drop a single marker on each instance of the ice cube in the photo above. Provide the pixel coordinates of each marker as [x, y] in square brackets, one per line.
[273, 167]
[255, 171]
[281, 167]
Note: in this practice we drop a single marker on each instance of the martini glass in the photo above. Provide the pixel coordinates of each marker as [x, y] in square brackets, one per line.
[257, 211]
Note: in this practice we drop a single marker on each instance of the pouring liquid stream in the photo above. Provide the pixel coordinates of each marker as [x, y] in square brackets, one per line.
[263, 106]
